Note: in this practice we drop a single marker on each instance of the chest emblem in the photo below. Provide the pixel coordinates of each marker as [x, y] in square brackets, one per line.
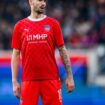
[47, 28]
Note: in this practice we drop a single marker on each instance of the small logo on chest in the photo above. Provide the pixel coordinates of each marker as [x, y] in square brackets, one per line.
[47, 28]
[26, 29]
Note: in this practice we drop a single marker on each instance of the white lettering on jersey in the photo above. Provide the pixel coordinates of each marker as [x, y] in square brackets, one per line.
[36, 37]
[60, 95]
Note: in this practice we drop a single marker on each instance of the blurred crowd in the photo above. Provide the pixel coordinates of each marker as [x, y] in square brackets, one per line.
[82, 21]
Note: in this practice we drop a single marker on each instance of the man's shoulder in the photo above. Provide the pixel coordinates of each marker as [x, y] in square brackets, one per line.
[52, 19]
[19, 25]
[22, 21]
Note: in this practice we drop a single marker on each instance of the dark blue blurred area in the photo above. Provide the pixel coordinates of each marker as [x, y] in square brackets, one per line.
[82, 95]
[82, 21]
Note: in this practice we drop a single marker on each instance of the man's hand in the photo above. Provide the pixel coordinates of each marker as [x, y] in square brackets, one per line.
[16, 89]
[70, 84]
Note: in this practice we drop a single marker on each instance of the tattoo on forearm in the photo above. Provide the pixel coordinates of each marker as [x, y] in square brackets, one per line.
[65, 59]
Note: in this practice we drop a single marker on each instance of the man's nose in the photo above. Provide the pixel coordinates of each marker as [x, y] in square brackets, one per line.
[43, 3]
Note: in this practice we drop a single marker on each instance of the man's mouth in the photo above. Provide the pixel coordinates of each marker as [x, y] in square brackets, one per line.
[42, 8]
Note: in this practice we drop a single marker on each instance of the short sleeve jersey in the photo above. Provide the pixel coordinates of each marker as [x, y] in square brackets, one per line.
[37, 39]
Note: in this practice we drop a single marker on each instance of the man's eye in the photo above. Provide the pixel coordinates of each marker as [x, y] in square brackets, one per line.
[43, 0]
[40, 0]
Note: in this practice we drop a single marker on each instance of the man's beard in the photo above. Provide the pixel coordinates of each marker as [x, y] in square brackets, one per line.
[39, 11]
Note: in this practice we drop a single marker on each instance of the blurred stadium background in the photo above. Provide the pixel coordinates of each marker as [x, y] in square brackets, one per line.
[83, 26]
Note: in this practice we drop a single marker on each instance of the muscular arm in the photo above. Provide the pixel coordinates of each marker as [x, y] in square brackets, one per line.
[65, 59]
[15, 66]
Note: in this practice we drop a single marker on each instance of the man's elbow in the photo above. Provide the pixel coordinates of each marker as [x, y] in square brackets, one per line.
[15, 54]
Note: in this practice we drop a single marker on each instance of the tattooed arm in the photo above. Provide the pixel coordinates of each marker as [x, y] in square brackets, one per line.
[65, 59]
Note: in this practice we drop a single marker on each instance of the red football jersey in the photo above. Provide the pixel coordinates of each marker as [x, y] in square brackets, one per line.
[37, 39]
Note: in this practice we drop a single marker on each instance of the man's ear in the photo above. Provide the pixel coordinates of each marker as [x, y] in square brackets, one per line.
[30, 2]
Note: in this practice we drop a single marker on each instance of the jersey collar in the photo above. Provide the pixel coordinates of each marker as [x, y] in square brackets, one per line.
[37, 19]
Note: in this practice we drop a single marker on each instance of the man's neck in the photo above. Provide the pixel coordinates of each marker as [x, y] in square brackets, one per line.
[36, 16]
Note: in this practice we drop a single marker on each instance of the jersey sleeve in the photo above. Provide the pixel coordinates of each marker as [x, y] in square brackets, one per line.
[16, 37]
[58, 35]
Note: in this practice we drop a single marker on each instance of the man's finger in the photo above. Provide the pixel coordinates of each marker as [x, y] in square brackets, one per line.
[69, 88]
[69, 91]
[17, 94]
[18, 97]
